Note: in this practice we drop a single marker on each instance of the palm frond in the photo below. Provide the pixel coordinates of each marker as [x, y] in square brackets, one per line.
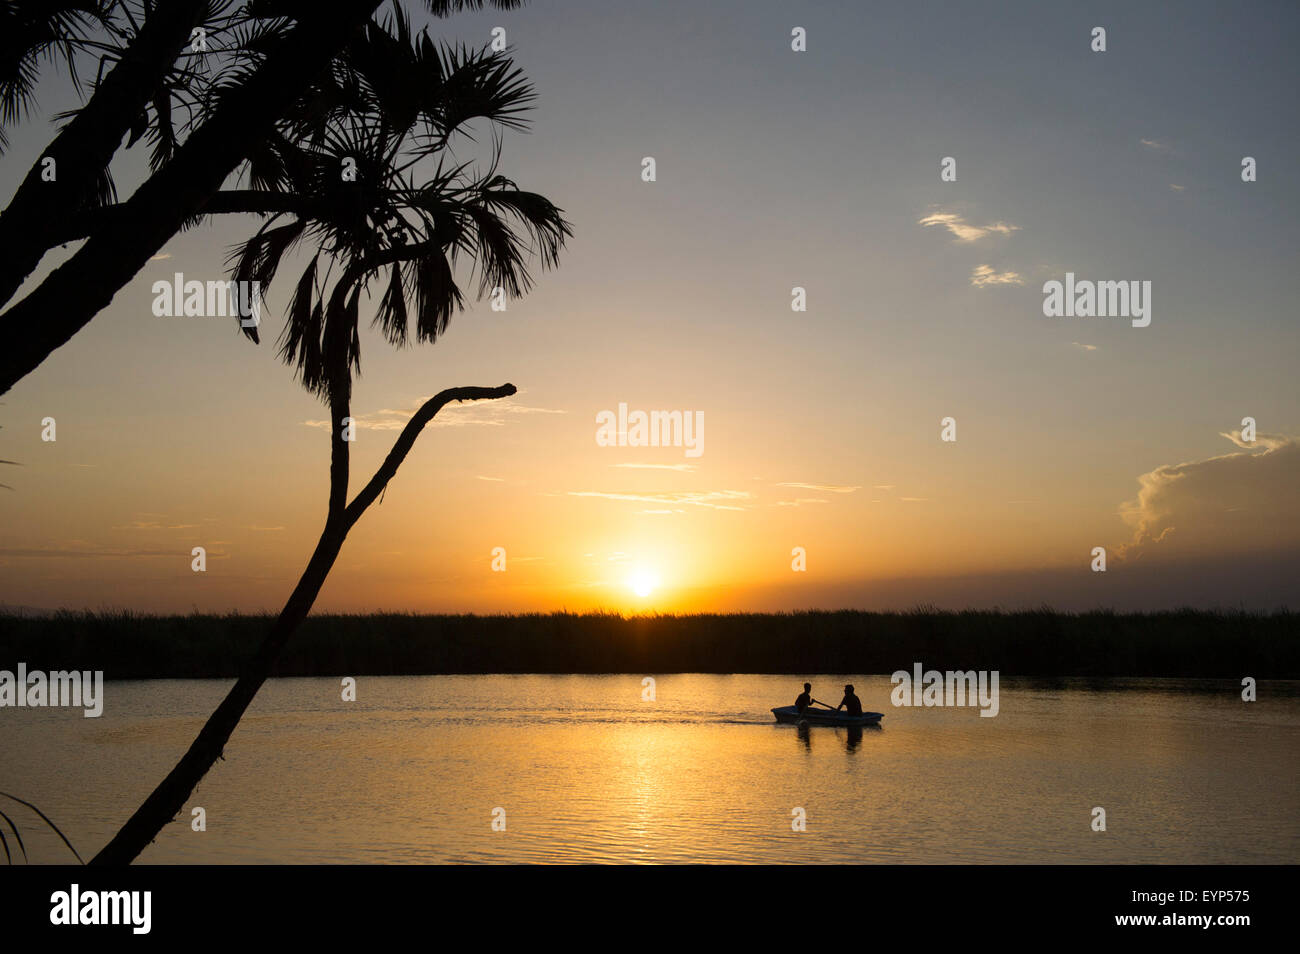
[389, 106]
[445, 8]
[543, 220]
[436, 296]
[391, 315]
[32, 31]
[46, 819]
[258, 259]
[499, 252]
[17, 835]
[466, 84]
[103, 191]
[300, 339]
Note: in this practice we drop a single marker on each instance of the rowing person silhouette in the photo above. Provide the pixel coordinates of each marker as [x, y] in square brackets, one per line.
[850, 703]
[805, 699]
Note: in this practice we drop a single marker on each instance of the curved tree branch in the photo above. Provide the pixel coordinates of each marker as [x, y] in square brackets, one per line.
[169, 797]
[406, 440]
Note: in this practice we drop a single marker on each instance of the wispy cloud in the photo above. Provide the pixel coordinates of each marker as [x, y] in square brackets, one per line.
[984, 275]
[1154, 144]
[1083, 347]
[824, 488]
[1262, 442]
[1176, 187]
[155, 525]
[476, 414]
[493, 479]
[385, 420]
[714, 499]
[81, 549]
[684, 468]
[965, 231]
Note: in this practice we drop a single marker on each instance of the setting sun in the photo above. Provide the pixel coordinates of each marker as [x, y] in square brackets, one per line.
[643, 582]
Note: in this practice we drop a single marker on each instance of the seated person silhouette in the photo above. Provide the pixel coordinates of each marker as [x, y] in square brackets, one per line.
[851, 703]
[805, 698]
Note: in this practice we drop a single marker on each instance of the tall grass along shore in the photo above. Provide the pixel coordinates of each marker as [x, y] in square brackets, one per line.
[1184, 643]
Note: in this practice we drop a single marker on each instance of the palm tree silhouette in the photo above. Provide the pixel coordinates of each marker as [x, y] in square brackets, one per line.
[203, 122]
[391, 106]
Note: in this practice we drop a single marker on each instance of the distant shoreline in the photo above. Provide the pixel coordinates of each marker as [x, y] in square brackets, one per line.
[1189, 643]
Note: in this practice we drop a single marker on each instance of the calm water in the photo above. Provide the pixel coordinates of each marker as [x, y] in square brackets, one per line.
[586, 771]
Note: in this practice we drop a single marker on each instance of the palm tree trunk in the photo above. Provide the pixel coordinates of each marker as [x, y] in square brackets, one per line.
[86, 145]
[170, 795]
[72, 294]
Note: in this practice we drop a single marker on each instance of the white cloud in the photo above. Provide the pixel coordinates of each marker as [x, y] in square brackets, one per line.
[964, 231]
[984, 275]
[1245, 500]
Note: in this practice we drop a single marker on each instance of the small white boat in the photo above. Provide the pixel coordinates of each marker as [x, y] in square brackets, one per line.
[814, 716]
